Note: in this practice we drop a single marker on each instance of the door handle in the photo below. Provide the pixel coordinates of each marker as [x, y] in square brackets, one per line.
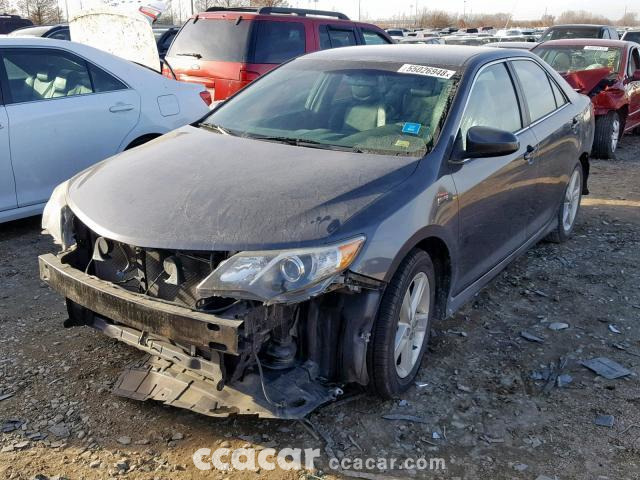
[120, 107]
[530, 154]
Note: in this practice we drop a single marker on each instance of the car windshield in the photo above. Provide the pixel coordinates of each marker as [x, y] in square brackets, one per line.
[561, 33]
[632, 37]
[373, 107]
[576, 58]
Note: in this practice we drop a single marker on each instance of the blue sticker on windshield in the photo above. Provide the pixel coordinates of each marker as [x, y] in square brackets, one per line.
[412, 128]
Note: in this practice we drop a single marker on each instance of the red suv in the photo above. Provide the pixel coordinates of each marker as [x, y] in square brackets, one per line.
[226, 48]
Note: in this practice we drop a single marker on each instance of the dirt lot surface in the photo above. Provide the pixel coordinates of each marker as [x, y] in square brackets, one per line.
[483, 399]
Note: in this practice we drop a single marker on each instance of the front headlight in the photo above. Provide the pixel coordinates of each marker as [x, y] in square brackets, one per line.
[280, 276]
[57, 217]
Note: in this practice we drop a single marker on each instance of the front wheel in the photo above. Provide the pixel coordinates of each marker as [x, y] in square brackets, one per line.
[607, 135]
[401, 330]
[568, 211]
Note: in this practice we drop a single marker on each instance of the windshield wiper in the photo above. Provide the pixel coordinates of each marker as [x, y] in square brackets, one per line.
[301, 142]
[189, 54]
[217, 128]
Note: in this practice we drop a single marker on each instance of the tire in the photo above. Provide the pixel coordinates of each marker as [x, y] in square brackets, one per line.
[608, 133]
[569, 207]
[391, 374]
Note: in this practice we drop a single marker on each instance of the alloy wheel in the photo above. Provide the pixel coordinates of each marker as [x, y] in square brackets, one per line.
[615, 134]
[571, 200]
[412, 324]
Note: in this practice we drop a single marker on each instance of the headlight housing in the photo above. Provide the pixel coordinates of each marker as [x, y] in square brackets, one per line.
[280, 276]
[57, 218]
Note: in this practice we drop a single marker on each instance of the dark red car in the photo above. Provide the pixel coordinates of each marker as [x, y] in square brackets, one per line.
[225, 49]
[608, 71]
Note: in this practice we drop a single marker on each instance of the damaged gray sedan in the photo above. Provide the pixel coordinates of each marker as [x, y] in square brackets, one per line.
[306, 234]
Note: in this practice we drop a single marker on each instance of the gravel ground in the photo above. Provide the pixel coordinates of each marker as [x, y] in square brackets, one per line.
[488, 401]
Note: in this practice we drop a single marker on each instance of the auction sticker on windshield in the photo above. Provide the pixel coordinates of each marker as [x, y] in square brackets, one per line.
[426, 71]
[594, 47]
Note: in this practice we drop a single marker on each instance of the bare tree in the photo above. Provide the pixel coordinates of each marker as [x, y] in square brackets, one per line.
[629, 19]
[437, 19]
[204, 4]
[4, 6]
[269, 3]
[582, 16]
[40, 12]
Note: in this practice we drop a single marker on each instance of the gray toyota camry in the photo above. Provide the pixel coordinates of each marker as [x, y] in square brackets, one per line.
[306, 234]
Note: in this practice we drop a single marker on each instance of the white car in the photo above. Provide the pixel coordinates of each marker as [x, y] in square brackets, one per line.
[65, 106]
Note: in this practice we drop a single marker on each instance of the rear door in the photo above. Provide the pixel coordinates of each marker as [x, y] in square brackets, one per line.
[494, 194]
[65, 114]
[7, 186]
[557, 135]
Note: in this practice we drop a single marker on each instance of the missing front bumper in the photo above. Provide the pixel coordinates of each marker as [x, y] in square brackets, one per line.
[138, 311]
[172, 375]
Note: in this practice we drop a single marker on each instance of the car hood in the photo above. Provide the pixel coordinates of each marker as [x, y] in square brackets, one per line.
[584, 81]
[193, 189]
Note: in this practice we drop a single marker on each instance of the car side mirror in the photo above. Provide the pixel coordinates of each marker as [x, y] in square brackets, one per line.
[490, 142]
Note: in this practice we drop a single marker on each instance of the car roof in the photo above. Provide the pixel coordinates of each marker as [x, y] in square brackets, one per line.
[596, 42]
[255, 15]
[580, 25]
[451, 55]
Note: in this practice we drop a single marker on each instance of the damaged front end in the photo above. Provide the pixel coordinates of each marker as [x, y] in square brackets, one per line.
[273, 334]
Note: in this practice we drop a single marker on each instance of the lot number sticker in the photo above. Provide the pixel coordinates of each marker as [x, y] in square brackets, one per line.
[593, 47]
[426, 71]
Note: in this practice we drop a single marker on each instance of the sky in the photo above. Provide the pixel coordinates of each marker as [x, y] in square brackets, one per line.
[521, 9]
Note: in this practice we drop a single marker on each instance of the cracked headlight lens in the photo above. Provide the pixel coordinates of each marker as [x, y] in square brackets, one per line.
[280, 276]
[57, 217]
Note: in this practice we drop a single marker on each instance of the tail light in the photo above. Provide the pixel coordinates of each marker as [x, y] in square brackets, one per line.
[248, 75]
[205, 95]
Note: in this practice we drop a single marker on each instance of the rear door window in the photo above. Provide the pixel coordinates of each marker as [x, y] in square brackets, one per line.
[277, 42]
[213, 39]
[536, 88]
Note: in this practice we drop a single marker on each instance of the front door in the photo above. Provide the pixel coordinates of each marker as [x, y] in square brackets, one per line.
[65, 114]
[633, 89]
[7, 186]
[494, 194]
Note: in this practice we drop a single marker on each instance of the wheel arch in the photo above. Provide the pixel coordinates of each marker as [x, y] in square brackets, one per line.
[584, 162]
[623, 112]
[434, 242]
